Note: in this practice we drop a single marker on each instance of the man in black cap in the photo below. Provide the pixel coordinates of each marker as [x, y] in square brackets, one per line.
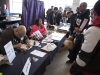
[88, 58]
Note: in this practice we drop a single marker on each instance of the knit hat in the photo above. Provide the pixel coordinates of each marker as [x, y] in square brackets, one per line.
[97, 7]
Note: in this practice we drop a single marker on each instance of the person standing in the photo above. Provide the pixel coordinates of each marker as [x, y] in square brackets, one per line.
[88, 59]
[51, 16]
[80, 24]
[77, 12]
[64, 15]
[7, 11]
[60, 9]
[48, 11]
[58, 18]
[72, 18]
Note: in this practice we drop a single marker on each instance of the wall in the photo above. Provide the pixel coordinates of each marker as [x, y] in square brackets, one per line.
[75, 5]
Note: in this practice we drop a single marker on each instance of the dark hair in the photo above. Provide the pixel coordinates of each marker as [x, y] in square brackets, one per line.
[52, 6]
[71, 11]
[96, 7]
[68, 13]
[64, 10]
[77, 8]
[37, 22]
[55, 8]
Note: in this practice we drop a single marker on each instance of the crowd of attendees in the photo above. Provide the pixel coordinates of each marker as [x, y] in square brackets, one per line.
[86, 50]
[85, 54]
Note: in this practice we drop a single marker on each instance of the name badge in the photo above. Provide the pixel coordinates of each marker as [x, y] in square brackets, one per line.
[78, 22]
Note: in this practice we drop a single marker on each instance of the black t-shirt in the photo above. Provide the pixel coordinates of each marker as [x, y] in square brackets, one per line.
[8, 35]
[82, 20]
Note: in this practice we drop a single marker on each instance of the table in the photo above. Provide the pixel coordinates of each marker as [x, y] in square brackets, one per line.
[5, 22]
[64, 27]
[37, 68]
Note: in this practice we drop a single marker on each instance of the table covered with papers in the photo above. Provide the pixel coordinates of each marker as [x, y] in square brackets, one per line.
[37, 67]
[64, 27]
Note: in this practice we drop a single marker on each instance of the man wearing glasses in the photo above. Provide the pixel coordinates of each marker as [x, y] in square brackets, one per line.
[17, 36]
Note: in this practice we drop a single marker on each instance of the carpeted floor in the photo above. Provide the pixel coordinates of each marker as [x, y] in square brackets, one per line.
[58, 66]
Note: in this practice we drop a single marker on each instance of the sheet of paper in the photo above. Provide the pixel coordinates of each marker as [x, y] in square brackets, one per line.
[37, 34]
[64, 28]
[47, 39]
[58, 34]
[36, 43]
[56, 38]
[49, 47]
[38, 53]
[10, 51]
[27, 67]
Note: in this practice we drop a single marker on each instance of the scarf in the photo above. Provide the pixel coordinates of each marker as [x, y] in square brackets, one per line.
[96, 22]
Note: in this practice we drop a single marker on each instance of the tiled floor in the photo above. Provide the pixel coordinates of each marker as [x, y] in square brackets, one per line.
[58, 66]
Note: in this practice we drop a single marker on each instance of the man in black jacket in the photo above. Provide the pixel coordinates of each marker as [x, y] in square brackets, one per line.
[58, 17]
[51, 16]
[80, 24]
[72, 18]
[88, 59]
[77, 12]
[48, 11]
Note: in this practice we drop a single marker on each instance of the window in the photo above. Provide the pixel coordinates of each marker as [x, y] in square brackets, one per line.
[57, 3]
[15, 6]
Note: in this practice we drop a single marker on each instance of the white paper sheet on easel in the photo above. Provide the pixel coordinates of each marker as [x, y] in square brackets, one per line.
[27, 67]
[38, 53]
[10, 51]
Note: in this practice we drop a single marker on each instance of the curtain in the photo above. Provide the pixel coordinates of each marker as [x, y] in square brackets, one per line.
[24, 13]
[41, 11]
[31, 10]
